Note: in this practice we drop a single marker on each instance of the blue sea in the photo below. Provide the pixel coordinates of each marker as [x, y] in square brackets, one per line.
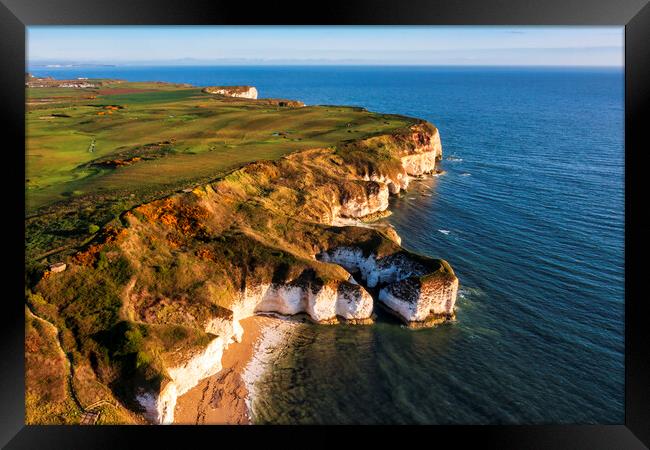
[529, 214]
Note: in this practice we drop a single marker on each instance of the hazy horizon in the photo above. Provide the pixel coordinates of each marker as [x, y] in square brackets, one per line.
[319, 45]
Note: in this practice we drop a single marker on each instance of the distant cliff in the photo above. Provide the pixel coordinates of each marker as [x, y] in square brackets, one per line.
[233, 91]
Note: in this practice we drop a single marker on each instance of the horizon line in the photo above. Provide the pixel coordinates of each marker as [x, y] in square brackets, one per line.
[302, 64]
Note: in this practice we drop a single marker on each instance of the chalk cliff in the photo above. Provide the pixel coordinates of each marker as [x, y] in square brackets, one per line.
[233, 91]
[159, 406]
[419, 290]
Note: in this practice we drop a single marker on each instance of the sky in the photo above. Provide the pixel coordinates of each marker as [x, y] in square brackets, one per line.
[428, 45]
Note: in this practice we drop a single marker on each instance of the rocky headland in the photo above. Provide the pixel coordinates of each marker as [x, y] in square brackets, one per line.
[175, 276]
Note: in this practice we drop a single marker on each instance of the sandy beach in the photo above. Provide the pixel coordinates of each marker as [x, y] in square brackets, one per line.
[225, 398]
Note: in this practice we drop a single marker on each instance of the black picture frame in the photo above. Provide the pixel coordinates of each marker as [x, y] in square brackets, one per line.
[15, 15]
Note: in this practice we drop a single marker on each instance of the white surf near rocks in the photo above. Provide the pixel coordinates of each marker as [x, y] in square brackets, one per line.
[271, 343]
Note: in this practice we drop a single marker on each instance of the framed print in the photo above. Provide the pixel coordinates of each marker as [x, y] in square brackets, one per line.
[422, 217]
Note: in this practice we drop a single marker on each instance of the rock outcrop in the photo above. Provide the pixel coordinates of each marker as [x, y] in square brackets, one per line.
[363, 199]
[323, 303]
[423, 300]
[420, 290]
[421, 149]
[57, 267]
[233, 91]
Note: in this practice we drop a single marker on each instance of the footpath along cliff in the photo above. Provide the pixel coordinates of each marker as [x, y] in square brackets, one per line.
[176, 276]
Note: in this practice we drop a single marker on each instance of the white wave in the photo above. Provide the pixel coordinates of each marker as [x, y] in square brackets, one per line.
[465, 292]
[445, 231]
[275, 338]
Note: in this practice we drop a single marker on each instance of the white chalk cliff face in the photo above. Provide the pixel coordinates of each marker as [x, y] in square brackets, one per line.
[370, 198]
[233, 91]
[159, 407]
[322, 303]
[419, 163]
[373, 270]
[417, 299]
[395, 184]
[370, 194]
[419, 160]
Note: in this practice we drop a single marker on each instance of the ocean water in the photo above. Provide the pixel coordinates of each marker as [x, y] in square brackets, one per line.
[529, 214]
